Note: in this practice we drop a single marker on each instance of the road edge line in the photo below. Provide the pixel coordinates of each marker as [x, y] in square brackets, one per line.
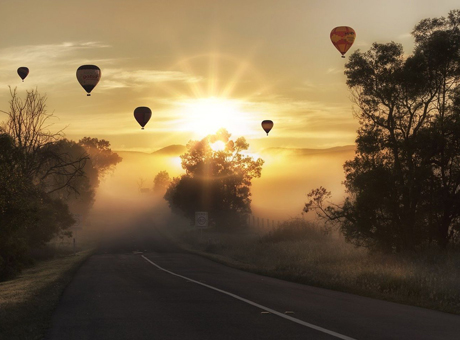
[272, 311]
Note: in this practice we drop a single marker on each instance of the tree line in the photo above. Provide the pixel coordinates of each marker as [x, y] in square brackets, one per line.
[403, 184]
[44, 180]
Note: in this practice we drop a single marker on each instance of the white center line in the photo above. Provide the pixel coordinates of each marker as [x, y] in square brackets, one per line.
[282, 315]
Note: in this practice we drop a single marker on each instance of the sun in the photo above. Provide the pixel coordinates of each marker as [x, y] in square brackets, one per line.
[205, 116]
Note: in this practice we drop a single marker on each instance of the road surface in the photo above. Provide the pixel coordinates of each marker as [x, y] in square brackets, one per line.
[163, 293]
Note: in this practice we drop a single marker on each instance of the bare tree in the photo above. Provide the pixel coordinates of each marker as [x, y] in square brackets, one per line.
[43, 159]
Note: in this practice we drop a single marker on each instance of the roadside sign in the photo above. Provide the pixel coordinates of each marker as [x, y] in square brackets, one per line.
[201, 219]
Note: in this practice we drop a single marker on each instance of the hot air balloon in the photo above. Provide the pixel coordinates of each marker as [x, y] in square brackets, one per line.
[23, 72]
[88, 76]
[142, 115]
[343, 37]
[267, 125]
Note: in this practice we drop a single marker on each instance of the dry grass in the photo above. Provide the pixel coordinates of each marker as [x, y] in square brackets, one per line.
[429, 280]
[28, 301]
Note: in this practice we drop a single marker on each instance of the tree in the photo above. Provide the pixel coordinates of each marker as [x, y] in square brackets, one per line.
[40, 172]
[102, 160]
[101, 155]
[40, 158]
[29, 217]
[15, 209]
[404, 182]
[216, 181]
[161, 182]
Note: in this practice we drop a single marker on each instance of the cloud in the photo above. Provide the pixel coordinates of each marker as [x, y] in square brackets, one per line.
[46, 52]
[48, 63]
[118, 78]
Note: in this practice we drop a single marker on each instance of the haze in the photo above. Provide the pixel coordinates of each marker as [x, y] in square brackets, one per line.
[288, 175]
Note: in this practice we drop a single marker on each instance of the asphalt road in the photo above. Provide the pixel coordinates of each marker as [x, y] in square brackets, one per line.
[163, 293]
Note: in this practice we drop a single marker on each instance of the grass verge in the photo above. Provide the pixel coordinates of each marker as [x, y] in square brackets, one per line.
[299, 252]
[28, 301]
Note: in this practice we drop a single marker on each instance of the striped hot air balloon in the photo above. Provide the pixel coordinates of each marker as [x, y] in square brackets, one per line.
[343, 37]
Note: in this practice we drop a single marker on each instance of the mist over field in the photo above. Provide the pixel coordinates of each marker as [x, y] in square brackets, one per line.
[125, 198]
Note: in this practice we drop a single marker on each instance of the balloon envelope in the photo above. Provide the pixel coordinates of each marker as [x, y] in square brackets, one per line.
[23, 72]
[88, 76]
[267, 125]
[142, 115]
[343, 37]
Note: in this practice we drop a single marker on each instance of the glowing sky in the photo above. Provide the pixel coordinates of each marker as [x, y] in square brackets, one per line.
[198, 64]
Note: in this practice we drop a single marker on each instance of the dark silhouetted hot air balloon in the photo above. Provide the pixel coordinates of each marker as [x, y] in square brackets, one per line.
[88, 76]
[343, 37]
[23, 72]
[267, 125]
[142, 115]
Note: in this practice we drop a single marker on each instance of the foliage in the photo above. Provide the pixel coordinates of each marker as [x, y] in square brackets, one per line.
[216, 181]
[404, 182]
[40, 174]
[429, 279]
[40, 158]
[295, 229]
[17, 195]
[103, 158]
[161, 182]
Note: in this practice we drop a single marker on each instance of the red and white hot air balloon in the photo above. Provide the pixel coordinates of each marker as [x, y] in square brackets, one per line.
[88, 76]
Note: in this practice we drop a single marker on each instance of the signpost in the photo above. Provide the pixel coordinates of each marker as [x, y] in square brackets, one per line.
[201, 219]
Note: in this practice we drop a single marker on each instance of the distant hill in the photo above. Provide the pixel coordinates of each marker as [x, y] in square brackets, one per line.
[308, 152]
[171, 150]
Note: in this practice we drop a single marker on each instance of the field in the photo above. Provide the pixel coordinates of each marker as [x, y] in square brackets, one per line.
[299, 251]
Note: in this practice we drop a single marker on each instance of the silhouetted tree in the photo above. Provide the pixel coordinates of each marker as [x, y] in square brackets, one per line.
[216, 181]
[404, 182]
[17, 195]
[40, 158]
[40, 172]
[104, 160]
[161, 182]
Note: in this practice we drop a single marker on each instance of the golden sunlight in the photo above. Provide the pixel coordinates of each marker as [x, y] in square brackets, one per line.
[205, 116]
[218, 146]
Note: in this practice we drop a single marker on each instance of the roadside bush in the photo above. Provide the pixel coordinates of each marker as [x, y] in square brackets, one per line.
[295, 229]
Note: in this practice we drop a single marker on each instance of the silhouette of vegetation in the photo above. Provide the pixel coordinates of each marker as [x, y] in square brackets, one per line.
[41, 174]
[294, 229]
[161, 182]
[216, 181]
[404, 182]
[102, 160]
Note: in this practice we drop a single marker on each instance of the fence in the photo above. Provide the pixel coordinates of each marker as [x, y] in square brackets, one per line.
[262, 223]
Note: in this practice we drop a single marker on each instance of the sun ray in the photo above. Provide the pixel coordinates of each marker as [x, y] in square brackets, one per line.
[213, 74]
[243, 67]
